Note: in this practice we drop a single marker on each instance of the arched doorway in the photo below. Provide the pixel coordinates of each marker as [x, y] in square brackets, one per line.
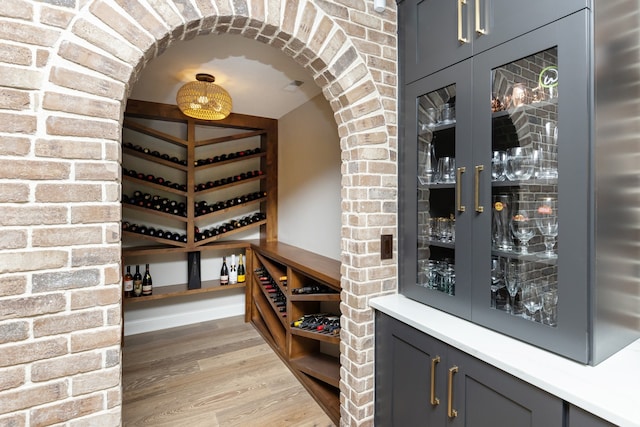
[86, 58]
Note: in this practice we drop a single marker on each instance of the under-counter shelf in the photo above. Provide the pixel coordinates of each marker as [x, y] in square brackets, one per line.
[319, 336]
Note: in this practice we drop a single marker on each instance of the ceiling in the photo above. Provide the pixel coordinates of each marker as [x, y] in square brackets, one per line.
[257, 76]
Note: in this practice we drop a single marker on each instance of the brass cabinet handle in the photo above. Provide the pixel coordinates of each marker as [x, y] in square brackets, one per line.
[479, 28]
[450, 411]
[459, 172]
[461, 39]
[479, 168]
[434, 400]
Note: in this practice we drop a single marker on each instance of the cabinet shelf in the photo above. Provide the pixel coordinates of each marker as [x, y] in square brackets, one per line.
[130, 124]
[159, 250]
[226, 162]
[155, 212]
[524, 183]
[315, 297]
[154, 159]
[230, 232]
[333, 339]
[232, 184]
[154, 185]
[274, 271]
[227, 210]
[321, 366]
[229, 138]
[153, 239]
[162, 292]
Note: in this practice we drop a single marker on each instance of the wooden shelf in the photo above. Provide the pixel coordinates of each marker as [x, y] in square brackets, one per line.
[233, 184]
[225, 162]
[321, 366]
[162, 292]
[230, 233]
[319, 373]
[154, 185]
[155, 212]
[154, 159]
[227, 210]
[159, 250]
[332, 339]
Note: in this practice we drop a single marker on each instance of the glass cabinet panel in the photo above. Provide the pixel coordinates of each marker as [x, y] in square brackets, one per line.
[524, 186]
[436, 192]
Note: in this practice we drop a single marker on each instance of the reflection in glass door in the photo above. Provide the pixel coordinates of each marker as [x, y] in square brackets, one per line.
[524, 174]
[438, 178]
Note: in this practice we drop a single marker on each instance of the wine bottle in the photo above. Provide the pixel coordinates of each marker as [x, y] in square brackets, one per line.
[224, 273]
[137, 282]
[128, 283]
[233, 272]
[147, 283]
[242, 273]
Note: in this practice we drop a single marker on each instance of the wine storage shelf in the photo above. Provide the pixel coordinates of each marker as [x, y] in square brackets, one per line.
[312, 356]
[181, 290]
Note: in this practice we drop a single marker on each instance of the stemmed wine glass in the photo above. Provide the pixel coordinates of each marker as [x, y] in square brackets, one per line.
[546, 216]
[522, 228]
[512, 282]
[532, 298]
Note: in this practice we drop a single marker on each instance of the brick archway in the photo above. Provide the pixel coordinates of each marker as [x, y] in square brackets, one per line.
[61, 284]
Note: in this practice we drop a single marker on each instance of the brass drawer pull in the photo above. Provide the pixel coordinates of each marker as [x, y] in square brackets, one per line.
[450, 411]
[434, 400]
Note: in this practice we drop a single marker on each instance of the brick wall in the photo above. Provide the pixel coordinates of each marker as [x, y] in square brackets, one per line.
[66, 68]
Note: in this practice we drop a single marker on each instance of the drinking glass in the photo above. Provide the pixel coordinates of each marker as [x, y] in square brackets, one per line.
[546, 216]
[532, 298]
[423, 273]
[500, 222]
[446, 170]
[522, 227]
[547, 162]
[520, 163]
[498, 164]
[549, 306]
[448, 113]
[497, 279]
[512, 279]
[432, 116]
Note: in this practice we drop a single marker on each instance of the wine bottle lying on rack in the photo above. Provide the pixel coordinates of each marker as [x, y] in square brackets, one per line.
[153, 232]
[154, 153]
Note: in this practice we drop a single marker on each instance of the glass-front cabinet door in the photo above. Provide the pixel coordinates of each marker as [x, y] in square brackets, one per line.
[437, 148]
[531, 134]
[497, 221]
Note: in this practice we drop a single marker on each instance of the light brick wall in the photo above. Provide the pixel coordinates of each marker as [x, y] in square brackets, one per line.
[66, 68]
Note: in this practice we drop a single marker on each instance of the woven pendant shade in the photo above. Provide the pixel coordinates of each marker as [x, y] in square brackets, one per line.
[203, 99]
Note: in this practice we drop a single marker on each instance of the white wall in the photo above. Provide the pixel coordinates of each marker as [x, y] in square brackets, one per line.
[309, 179]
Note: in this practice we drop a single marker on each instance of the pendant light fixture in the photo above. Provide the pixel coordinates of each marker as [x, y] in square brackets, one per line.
[203, 99]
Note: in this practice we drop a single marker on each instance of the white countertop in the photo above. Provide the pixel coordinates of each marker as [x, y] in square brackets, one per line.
[610, 390]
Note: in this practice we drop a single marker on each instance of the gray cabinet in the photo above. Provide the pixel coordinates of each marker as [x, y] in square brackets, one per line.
[472, 230]
[438, 33]
[421, 381]
[578, 417]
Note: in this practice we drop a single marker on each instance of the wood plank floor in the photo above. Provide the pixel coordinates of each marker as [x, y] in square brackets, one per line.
[212, 374]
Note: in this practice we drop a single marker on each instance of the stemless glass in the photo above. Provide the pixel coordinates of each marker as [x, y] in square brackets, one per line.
[497, 279]
[520, 163]
[500, 222]
[549, 306]
[522, 227]
[546, 216]
[498, 164]
[532, 298]
[446, 170]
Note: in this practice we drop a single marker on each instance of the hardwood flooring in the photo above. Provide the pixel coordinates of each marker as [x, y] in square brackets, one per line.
[212, 374]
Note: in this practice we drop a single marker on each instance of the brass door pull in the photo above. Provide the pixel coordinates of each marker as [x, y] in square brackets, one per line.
[459, 172]
[479, 168]
[450, 411]
[434, 400]
[461, 38]
[479, 29]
